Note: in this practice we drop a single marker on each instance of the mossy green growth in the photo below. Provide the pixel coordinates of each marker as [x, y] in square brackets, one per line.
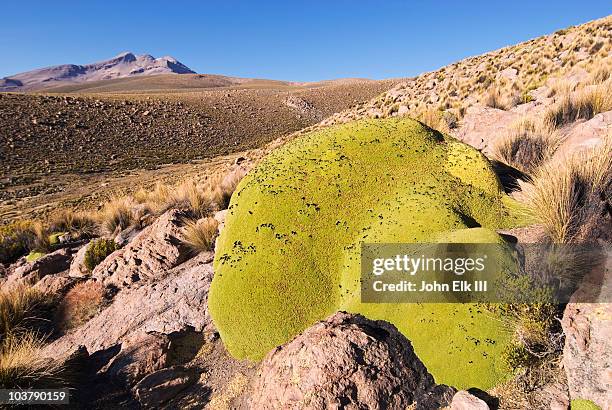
[580, 404]
[33, 256]
[289, 254]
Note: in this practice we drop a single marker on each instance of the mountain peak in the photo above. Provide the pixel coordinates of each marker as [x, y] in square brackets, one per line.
[125, 64]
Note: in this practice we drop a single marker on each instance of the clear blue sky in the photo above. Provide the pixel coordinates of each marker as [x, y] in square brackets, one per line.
[288, 40]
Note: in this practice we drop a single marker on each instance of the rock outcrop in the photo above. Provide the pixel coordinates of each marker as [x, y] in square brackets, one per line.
[346, 361]
[162, 385]
[48, 264]
[175, 303]
[587, 354]
[141, 354]
[463, 400]
[154, 251]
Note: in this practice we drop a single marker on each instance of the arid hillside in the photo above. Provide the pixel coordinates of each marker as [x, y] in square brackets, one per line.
[45, 137]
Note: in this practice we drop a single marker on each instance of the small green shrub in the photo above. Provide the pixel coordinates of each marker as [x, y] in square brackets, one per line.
[97, 251]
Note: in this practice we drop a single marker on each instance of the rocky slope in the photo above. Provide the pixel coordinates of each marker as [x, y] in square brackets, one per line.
[511, 72]
[123, 65]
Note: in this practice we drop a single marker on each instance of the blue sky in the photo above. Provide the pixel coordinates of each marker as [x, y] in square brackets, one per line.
[286, 40]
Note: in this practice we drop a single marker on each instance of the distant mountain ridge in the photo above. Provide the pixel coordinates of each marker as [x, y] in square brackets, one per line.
[123, 65]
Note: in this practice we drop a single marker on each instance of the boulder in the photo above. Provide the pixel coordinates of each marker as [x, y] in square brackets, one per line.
[48, 264]
[482, 127]
[163, 385]
[587, 325]
[154, 251]
[463, 400]
[141, 354]
[175, 303]
[127, 235]
[585, 135]
[345, 361]
[54, 284]
[77, 266]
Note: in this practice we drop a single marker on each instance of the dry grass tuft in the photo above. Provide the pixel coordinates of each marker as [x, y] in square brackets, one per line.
[15, 239]
[116, 215]
[23, 366]
[21, 307]
[222, 191]
[81, 224]
[80, 304]
[570, 198]
[584, 105]
[494, 99]
[527, 146]
[200, 235]
[22, 310]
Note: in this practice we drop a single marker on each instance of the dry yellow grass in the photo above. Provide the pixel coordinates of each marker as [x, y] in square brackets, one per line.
[116, 215]
[23, 366]
[200, 235]
[584, 104]
[78, 223]
[565, 197]
[528, 145]
[20, 306]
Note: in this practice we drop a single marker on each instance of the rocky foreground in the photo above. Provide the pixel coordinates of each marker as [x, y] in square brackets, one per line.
[152, 343]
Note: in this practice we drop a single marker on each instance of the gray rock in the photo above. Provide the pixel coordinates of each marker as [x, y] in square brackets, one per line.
[77, 266]
[141, 354]
[175, 303]
[587, 354]
[346, 361]
[127, 235]
[154, 251]
[463, 400]
[163, 385]
[48, 264]
[55, 284]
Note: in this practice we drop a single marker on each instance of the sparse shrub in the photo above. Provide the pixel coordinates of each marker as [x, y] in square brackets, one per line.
[116, 215]
[569, 198]
[80, 304]
[97, 251]
[537, 335]
[200, 235]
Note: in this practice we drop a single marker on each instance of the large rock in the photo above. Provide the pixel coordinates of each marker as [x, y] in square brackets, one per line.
[77, 266]
[483, 127]
[163, 385]
[154, 251]
[585, 135]
[55, 284]
[173, 304]
[48, 264]
[141, 354]
[587, 354]
[463, 400]
[346, 361]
